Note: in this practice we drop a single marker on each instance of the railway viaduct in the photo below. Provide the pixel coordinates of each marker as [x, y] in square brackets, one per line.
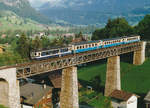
[9, 84]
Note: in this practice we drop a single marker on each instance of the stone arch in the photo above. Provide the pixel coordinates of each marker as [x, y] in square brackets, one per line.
[4, 92]
[10, 84]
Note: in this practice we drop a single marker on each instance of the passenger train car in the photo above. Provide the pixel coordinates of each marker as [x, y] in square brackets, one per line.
[82, 47]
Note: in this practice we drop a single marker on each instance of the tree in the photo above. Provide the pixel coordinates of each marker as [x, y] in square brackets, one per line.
[23, 47]
[118, 27]
[143, 28]
[96, 83]
[99, 34]
[45, 42]
[114, 28]
[36, 43]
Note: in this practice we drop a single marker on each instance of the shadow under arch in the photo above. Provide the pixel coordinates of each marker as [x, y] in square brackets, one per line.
[4, 92]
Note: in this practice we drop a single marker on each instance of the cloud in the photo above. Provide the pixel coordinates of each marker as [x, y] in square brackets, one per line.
[90, 2]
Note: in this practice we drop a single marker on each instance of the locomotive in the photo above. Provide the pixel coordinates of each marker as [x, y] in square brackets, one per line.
[82, 47]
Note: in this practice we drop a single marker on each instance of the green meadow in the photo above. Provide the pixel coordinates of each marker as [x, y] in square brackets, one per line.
[134, 79]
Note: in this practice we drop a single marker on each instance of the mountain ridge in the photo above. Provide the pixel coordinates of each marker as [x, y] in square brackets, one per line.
[96, 11]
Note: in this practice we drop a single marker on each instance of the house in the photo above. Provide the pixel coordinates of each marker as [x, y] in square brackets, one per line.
[36, 96]
[2, 49]
[41, 34]
[147, 100]
[122, 99]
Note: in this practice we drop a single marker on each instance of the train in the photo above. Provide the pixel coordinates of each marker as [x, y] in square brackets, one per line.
[82, 47]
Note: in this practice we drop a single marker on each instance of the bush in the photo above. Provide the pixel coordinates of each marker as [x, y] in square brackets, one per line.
[1, 106]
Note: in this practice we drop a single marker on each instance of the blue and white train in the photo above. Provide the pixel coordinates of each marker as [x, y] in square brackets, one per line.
[82, 47]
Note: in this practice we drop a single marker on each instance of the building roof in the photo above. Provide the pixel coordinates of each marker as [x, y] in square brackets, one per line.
[56, 79]
[32, 93]
[121, 95]
[147, 97]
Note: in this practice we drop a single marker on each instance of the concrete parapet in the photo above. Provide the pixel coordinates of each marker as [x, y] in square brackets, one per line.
[112, 75]
[13, 99]
[69, 88]
[139, 56]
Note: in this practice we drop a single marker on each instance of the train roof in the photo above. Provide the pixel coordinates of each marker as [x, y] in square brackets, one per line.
[118, 38]
[86, 42]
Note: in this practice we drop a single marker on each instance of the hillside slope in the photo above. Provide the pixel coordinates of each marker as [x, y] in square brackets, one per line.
[11, 21]
[23, 9]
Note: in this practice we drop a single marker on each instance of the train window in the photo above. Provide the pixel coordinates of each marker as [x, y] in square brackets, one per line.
[93, 45]
[50, 52]
[96, 44]
[89, 45]
[80, 47]
[83, 46]
[35, 54]
[64, 50]
[77, 47]
[55, 51]
[43, 53]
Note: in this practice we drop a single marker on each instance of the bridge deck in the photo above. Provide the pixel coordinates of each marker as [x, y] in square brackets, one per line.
[38, 67]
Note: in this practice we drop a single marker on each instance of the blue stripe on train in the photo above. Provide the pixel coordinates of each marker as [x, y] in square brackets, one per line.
[85, 49]
[132, 41]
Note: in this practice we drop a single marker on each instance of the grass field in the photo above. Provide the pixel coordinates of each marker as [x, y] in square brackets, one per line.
[134, 79]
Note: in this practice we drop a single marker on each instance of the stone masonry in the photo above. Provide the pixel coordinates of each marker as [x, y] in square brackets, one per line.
[69, 88]
[139, 56]
[13, 99]
[112, 75]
